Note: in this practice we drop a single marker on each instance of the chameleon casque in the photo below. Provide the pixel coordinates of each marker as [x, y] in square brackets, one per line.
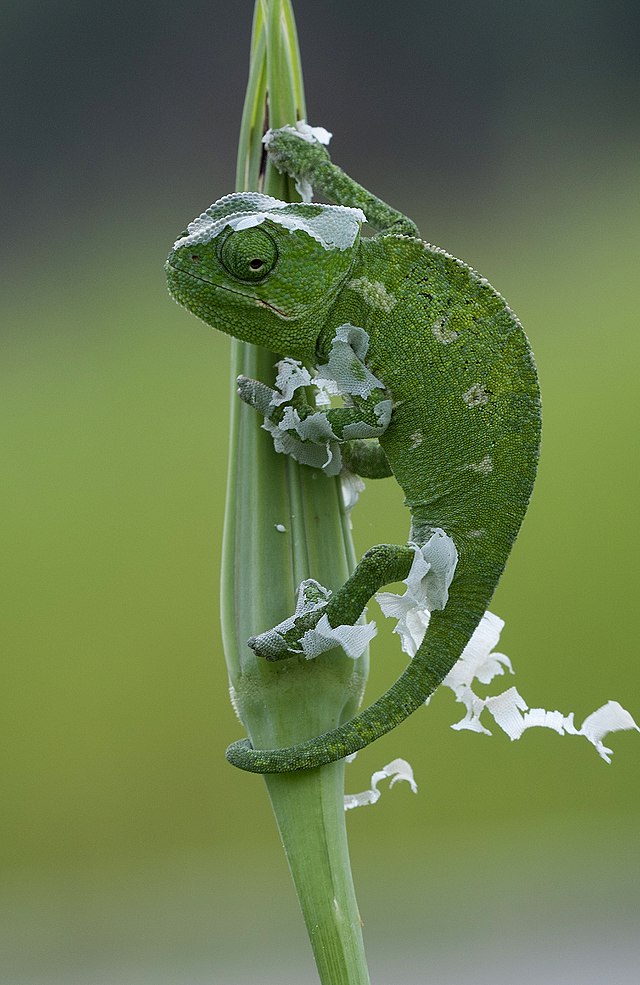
[440, 390]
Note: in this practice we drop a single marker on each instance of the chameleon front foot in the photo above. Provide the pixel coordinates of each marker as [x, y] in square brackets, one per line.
[255, 394]
[270, 645]
[290, 637]
[308, 632]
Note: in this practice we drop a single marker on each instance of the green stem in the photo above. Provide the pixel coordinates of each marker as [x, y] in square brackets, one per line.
[311, 820]
[283, 703]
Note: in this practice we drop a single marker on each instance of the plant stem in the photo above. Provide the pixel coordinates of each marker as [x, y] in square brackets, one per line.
[282, 703]
[311, 820]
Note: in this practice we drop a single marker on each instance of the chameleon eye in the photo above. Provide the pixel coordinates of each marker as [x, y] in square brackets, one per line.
[249, 254]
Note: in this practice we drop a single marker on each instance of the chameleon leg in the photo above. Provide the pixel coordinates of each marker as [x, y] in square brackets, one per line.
[260, 397]
[311, 163]
[366, 458]
[380, 566]
[444, 642]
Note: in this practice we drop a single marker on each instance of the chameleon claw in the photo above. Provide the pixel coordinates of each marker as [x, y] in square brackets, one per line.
[270, 645]
[256, 394]
[291, 154]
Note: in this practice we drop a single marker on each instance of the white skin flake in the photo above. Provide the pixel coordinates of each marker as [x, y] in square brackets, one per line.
[315, 431]
[353, 639]
[397, 770]
[280, 527]
[611, 717]
[333, 230]
[478, 659]
[326, 457]
[312, 597]
[325, 390]
[304, 189]
[310, 441]
[427, 583]
[511, 712]
[291, 376]
[360, 429]
[346, 367]
[335, 227]
[303, 130]
[351, 485]
[345, 374]
[509, 709]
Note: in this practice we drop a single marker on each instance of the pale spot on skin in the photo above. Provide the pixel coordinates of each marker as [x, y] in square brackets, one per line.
[442, 332]
[374, 293]
[477, 533]
[484, 467]
[416, 439]
[475, 396]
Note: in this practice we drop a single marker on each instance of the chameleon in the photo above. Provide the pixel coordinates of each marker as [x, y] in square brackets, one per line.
[440, 391]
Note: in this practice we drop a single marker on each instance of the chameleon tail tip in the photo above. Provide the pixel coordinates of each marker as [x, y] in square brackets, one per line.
[242, 755]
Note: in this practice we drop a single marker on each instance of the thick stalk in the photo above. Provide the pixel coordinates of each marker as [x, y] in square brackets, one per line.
[280, 704]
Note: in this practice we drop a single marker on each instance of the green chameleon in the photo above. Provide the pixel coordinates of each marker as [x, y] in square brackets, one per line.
[439, 388]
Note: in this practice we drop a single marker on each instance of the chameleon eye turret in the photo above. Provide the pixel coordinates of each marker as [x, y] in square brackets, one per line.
[237, 264]
[249, 254]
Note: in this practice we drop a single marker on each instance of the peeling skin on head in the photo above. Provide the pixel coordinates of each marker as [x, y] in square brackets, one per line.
[335, 227]
[476, 396]
[442, 332]
[374, 293]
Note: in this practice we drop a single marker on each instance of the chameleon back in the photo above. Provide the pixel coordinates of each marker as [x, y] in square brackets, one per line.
[465, 432]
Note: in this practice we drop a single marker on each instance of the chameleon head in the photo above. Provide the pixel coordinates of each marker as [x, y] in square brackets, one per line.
[263, 270]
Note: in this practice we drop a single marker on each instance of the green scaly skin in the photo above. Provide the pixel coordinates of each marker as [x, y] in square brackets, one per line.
[465, 429]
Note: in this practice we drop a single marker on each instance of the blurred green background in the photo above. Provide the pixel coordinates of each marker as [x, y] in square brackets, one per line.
[131, 853]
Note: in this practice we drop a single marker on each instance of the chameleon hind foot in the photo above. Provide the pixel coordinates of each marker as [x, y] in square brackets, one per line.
[323, 621]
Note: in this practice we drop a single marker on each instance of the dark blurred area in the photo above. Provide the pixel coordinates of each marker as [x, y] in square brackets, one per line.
[110, 101]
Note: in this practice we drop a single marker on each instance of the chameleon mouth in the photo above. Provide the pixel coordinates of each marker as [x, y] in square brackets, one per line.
[229, 290]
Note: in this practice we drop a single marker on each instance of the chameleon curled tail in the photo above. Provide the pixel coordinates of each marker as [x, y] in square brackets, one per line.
[448, 633]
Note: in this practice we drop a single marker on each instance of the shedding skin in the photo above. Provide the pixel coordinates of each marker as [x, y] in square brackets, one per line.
[441, 345]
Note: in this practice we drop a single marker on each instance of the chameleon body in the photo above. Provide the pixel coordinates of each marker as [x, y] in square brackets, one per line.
[453, 413]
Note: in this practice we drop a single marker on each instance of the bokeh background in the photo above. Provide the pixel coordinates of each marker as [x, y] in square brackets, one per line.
[131, 853]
